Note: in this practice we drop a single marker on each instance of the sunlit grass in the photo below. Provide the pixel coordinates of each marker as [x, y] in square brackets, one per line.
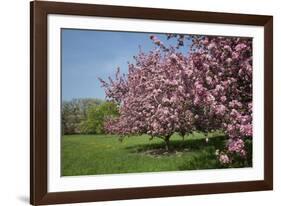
[105, 154]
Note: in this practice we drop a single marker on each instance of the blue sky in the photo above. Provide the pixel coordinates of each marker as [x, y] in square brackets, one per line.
[89, 54]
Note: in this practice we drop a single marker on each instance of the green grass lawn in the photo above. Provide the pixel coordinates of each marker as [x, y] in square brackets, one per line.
[105, 154]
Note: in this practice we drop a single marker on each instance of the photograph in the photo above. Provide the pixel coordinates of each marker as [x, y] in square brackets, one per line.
[136, 102]
[131, 102]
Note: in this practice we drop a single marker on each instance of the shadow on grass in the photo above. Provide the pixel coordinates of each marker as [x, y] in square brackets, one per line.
[201, 155]
[188, 145]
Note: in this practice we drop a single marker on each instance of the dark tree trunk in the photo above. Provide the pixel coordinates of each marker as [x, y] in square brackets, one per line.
[182, 136]
[167, 142]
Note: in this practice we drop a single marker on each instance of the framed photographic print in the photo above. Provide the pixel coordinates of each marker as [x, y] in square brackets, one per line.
[131, 102]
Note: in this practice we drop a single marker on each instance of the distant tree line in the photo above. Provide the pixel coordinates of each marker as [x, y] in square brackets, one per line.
[86, 115]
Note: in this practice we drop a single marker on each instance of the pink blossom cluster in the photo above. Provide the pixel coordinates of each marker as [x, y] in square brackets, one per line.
[224, 159]
[222, 68]
[236, 145]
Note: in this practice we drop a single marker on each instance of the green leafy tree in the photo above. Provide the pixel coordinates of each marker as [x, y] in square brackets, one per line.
[74, 112]
[94, 124]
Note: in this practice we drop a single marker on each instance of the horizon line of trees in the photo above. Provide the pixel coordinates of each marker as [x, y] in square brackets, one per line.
[86, 115]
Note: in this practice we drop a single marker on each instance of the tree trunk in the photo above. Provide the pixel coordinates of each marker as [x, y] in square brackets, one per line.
[167, 142]
[182, 143]
[182, 136]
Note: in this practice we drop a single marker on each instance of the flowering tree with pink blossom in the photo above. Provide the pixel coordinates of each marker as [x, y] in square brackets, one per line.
[154, 98]
[222, 69]
[167, 92]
